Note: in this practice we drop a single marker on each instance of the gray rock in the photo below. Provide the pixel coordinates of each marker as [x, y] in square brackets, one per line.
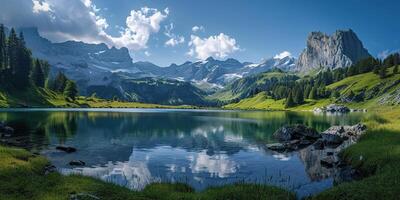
[337, 108]
[49, 169]
[298, 131]
[342, 49]
[66, 149]
[83, 196]
[319, 144]
[77, 163]
[332, 139]
[329, 161]
[280, 147]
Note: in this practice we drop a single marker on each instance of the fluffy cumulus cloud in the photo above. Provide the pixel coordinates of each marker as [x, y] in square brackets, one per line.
[173, 39]
[283, 54]
[40, 6]
[197, 28]
[219, 46]
[61, 20]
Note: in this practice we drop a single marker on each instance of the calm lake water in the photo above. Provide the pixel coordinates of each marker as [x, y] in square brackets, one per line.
[134, 147]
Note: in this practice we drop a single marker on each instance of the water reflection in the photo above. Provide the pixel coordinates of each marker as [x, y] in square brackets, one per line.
[137, 147]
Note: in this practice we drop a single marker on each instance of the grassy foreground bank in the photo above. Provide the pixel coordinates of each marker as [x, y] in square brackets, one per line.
[22, 176]
[377, 156]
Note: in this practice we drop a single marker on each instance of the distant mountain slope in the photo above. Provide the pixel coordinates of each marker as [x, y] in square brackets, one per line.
[215, 73]
[152, 90]
[251, 85]
[342, 49]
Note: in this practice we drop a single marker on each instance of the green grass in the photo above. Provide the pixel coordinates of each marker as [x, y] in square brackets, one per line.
[377, 156]
[22, 177]
[40, 97]
[262, 102]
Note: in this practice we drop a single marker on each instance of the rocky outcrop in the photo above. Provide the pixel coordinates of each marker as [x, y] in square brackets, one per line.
[298, 136]
[342, 49]
[297, 131]
[333, 108]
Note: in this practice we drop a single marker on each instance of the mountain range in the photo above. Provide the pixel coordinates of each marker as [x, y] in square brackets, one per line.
[111, 72]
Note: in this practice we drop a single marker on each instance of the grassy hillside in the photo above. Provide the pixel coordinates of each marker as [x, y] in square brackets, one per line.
[369, 92]
[39, 97]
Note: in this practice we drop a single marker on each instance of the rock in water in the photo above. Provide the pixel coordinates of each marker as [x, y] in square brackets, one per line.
[66, 149]
[297, 131]
[77, 163]
[342, 49]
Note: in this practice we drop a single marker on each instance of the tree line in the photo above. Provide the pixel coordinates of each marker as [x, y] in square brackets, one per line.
[19, 71]
[295, 89]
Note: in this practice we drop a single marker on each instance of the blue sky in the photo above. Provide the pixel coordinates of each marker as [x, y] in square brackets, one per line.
[245, 30]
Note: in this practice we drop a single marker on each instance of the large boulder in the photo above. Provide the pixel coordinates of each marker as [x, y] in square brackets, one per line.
[66, 149]
[297, 131]
[337, 108]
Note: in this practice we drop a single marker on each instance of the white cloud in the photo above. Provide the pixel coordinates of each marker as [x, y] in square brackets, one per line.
[197, 28]
[147, 53]
[218, 46]
[40, 6]
[173, 39]
[140, 25]
[62, 20]
[283, 54]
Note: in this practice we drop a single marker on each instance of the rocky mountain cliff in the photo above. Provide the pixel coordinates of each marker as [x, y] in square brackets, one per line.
[341, 49]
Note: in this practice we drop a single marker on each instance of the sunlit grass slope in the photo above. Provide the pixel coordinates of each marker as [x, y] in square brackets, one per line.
[371, 84]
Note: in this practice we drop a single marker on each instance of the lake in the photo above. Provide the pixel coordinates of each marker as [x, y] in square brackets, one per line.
[203, 148]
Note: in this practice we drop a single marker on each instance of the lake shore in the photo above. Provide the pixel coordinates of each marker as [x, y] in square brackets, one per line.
[25, 176]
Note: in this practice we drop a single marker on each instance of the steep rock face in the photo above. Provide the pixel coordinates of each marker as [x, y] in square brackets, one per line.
[342, 49]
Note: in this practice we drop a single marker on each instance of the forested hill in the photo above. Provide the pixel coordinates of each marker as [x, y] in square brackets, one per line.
[24, 80]
[367, 84]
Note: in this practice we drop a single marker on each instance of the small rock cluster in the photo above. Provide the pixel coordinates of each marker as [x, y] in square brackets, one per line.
[295, 137]
[5, 131]
[334, 108]
[320, 150]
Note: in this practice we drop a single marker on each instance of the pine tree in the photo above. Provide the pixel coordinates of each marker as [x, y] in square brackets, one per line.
[3, 58]
[71, 90]
[289, 101]
[37, 75]
[313, 93]
[382, 72]
[24, 64]
[298, 95]
[377, 69]
[396, 61]
[59, 83]
[307, 91]
[3, 49]
[12, 46]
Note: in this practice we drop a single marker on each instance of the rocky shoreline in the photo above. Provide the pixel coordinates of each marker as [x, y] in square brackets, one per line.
[320, 151]
[334, 108]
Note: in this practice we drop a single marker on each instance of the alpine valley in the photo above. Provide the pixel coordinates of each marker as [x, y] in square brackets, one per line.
[110, 73]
